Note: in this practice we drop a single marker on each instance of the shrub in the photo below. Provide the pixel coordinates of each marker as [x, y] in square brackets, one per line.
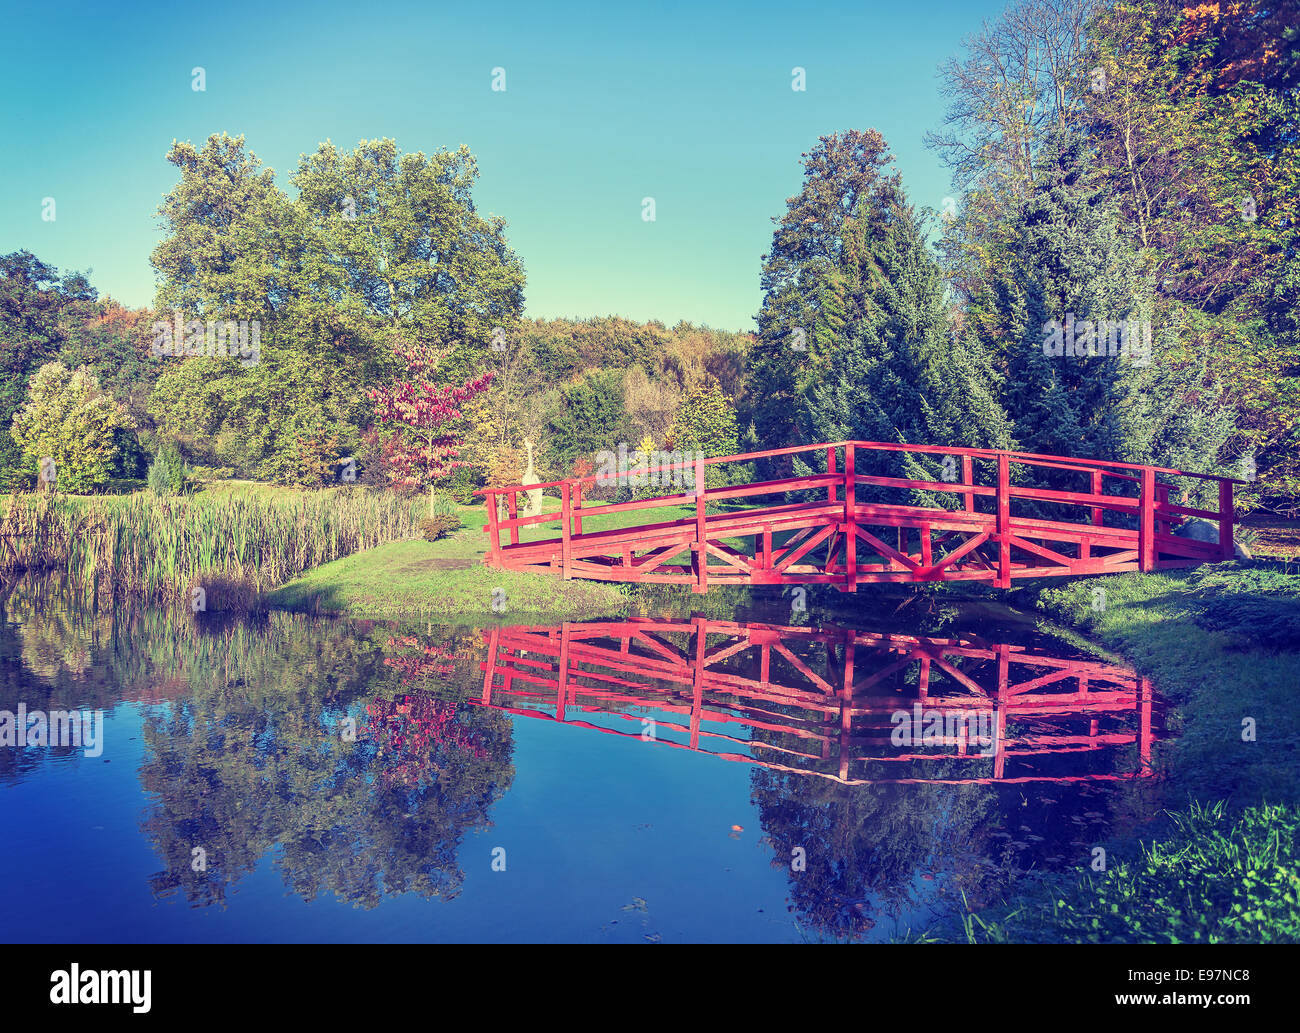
[159, 478]
[435, 527]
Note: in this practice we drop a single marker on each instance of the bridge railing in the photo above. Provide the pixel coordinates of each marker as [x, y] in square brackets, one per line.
[1142, 495]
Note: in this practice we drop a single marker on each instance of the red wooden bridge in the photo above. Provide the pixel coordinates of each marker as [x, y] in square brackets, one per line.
[827, 701]
[987, 523]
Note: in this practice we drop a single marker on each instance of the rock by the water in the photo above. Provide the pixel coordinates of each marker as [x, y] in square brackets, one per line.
[1205, 531]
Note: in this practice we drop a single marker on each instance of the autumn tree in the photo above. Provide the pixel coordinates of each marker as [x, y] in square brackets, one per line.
[421, 414]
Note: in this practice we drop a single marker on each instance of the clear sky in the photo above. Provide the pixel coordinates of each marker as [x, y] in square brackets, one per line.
[605, 104]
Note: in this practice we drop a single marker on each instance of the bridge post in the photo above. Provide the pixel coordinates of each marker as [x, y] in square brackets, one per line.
[494, 543]
[697, 686]
[1162, 499]
[490, 668]
[1226, 518]
[1003, 523]
[1146, 521]
[701, 534]
[830, 468]
[577, 507]
[512, 510]
[850, 523]
[565, 547]
[968, 478]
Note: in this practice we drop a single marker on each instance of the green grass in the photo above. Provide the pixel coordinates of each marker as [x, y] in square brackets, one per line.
[1220, 645]
[400, 580]
[1216, 672]
[1215, 877]
[448, 578]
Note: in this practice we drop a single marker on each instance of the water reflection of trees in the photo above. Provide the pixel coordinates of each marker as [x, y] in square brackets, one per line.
[248, 751]
[241, 768]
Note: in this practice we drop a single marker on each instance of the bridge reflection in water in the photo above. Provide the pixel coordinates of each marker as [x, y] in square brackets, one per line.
[855, 707]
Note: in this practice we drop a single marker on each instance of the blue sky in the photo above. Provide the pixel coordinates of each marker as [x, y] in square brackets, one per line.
[605, 104]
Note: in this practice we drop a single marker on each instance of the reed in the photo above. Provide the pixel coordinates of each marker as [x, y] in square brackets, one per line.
[234, 547]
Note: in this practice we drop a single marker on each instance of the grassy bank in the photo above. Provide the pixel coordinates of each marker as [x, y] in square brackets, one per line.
[414, 579]
[1222, 646]
[447, 578]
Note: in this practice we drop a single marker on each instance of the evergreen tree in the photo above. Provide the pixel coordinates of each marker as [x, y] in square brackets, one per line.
[904, 375]
[811, 298]
[1070, 279]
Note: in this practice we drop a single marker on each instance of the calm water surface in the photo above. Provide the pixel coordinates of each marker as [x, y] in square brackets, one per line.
[286, 778]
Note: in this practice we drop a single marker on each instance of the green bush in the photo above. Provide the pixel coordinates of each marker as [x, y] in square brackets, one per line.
[168, 474]
[212, 473]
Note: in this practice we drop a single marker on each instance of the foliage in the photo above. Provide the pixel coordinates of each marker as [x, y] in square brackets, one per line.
[902, 374]
[439, 526]
[590, 418]
[160, 478]
[805, 309]
[424, 450]
[1216, 877]
[67, 418]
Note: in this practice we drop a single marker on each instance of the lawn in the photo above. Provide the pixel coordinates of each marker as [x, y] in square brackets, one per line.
[448, 578]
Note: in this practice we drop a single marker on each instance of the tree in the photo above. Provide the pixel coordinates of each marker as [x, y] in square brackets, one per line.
[590, 418]
[1068, 267]
[68, 419]
[904, 374]
[807, 303]
[37, 307]
[706, 421]
[423, 448]
[377, 248]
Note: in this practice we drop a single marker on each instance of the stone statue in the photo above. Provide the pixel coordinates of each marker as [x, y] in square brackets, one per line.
[534, 504]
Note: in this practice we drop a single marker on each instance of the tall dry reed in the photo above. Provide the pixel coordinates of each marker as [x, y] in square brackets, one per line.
[161, 548]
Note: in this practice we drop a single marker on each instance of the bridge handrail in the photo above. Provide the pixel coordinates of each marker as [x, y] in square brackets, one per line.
[1151, 505]
[1106, 466]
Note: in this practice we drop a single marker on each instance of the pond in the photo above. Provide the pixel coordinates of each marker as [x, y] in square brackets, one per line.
[769, 775]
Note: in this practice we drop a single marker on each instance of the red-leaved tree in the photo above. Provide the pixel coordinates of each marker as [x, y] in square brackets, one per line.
[424, 449]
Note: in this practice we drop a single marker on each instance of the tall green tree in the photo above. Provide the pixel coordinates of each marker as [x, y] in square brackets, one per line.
[810, 299]
[37, 309]
[69, 420]
[377, 251]
[904, 374]
[1070, 265]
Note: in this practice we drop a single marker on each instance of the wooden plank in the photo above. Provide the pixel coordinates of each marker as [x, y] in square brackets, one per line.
[850, 533]
[1226, 518]
[1146, 521]
[701, 533]
[494, 539]
[567, 550]
[1003, 504]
